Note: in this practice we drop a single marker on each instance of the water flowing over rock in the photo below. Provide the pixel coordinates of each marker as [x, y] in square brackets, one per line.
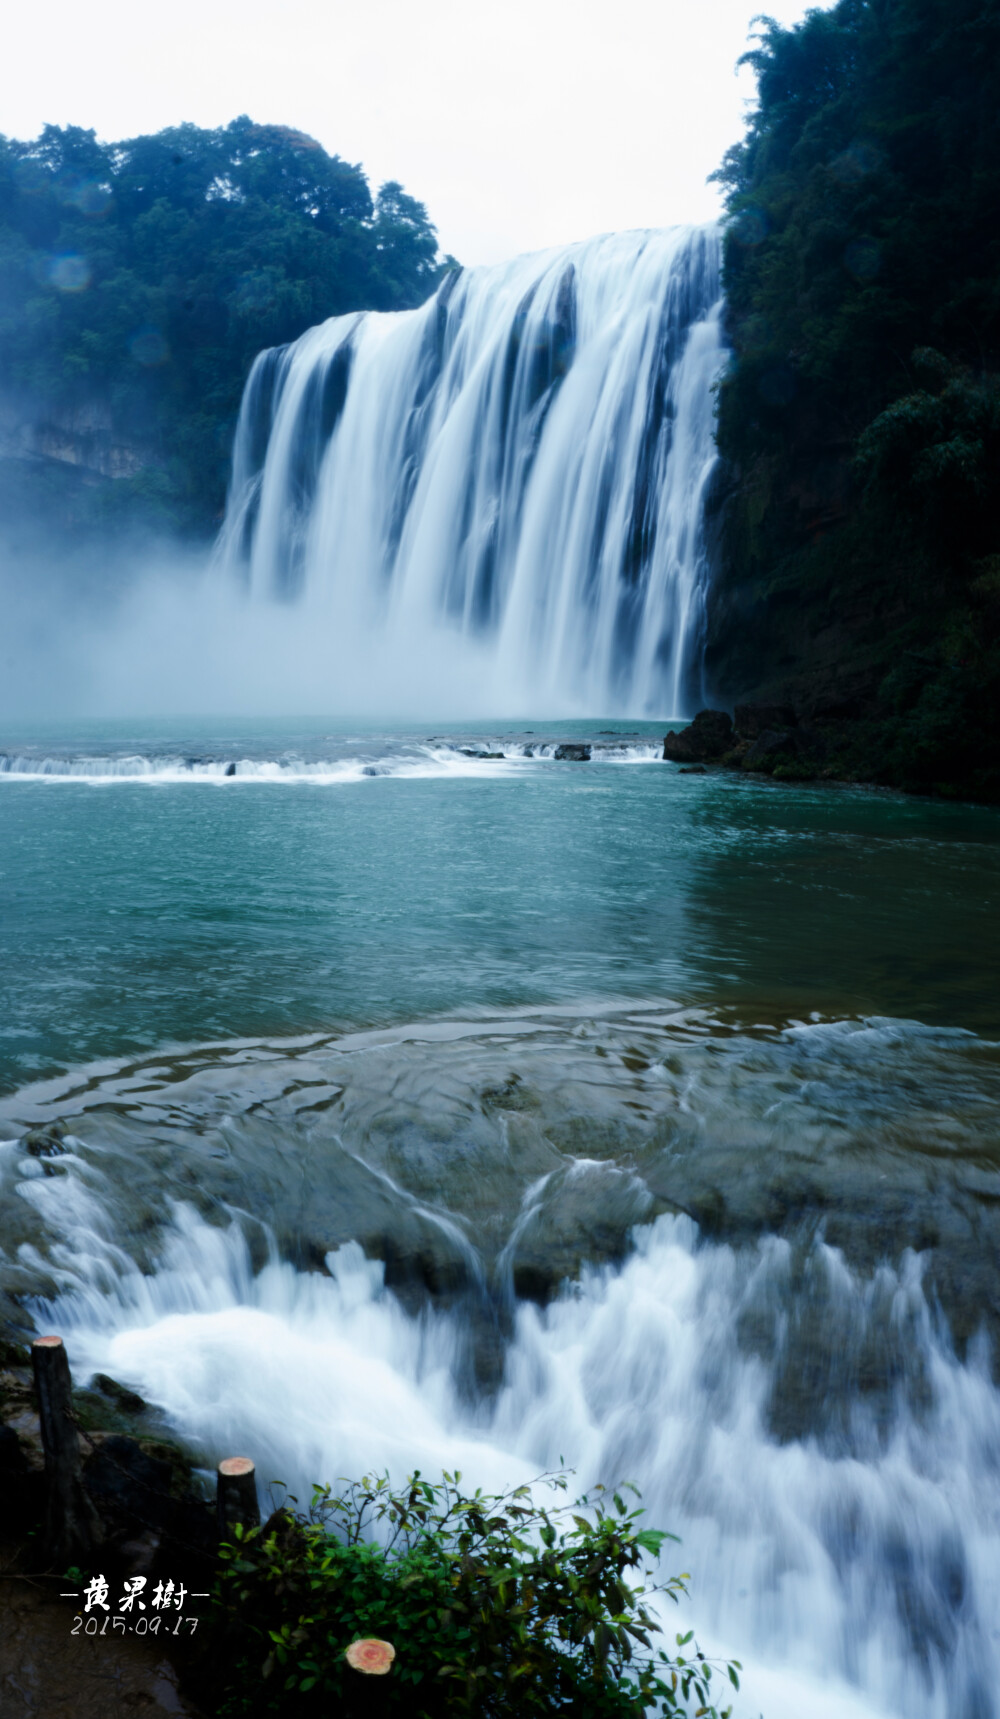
[519, 466]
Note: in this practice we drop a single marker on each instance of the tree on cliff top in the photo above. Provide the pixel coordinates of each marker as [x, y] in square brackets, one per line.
[147, 274]
[861, 408]
[862, 207]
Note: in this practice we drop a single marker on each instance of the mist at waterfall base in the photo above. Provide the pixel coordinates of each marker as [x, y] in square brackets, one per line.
[175, 638]
[493, 505]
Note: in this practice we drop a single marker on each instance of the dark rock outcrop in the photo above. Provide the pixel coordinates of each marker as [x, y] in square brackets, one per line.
[23, 1486]
[573, 753]
[708, 738]
[752, 720]
[791, 752]
[136, 1476]
[129, 1486]
[128, 1401]
[46, 1142]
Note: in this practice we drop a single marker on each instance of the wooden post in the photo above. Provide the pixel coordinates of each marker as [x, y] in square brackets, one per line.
[236, 1496]
[72, 1525]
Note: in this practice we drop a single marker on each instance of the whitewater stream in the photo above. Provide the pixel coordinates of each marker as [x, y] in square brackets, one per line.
[427, 1099]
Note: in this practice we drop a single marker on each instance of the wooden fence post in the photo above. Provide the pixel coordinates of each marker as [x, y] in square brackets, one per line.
[236, 1495]
[72, 1525]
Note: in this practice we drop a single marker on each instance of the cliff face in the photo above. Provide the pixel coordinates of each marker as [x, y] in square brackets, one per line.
[803, 608]
[74, 482]
[83, 435]
[862, 624]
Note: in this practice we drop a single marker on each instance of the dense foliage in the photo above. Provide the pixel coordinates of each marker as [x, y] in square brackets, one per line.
[862, 409]
[495, 1606]
[140, 279]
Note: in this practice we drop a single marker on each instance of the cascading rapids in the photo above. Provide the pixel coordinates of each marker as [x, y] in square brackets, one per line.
[516, 471]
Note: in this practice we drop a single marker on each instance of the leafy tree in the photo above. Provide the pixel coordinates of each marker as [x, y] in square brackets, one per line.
[862, 268]
[144, 276]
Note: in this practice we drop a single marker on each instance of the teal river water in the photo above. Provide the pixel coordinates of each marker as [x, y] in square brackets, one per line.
[396, 1104]
[174, 908]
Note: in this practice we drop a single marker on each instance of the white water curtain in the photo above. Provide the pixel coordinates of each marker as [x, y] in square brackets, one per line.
[517, 472]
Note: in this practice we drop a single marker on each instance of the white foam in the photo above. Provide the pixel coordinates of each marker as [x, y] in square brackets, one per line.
[427, 761]
[827, 1571]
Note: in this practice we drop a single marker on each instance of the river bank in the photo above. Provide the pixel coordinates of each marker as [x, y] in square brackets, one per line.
[827, 739]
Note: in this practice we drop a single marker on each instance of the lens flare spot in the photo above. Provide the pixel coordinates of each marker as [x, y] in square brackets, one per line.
[87, 195]
[777, 387]
[855, 163]
[148, 347]
[68, 272]
[863, 259]
[749, 227]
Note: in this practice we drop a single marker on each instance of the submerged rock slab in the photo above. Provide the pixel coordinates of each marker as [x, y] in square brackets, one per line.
[490, 1160]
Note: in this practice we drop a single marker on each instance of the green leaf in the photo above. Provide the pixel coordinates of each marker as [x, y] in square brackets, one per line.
[651, 1539]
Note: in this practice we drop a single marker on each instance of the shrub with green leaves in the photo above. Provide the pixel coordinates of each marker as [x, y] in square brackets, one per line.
[495, 1605]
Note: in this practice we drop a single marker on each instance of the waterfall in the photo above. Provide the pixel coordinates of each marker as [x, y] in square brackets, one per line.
[514, 473]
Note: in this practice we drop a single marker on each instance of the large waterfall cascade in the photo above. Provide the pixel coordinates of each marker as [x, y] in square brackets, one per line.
[515, 473]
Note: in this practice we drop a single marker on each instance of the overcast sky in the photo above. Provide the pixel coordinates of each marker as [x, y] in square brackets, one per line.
[520, 125]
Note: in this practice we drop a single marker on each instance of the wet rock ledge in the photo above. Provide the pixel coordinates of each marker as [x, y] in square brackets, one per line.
[148, 1517]
[774, 740]
[140, 1480]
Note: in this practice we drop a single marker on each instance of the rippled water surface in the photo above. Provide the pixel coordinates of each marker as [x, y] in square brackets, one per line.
[148, 897]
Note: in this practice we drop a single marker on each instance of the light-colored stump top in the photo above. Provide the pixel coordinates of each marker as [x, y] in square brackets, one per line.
[46, 1343]
[233, 1466]
[370, 1655]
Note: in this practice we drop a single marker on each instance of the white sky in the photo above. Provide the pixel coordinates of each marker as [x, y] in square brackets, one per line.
[520, 125]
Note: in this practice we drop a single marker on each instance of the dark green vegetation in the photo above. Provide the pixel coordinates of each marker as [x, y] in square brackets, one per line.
[139, 280]
[494, 1606]
[861, 414]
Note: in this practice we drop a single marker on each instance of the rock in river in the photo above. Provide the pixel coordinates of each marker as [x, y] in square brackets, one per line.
[708, 737]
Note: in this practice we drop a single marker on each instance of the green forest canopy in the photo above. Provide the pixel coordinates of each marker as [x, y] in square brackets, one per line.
[863, 228]
[147, 275]
[861, 409]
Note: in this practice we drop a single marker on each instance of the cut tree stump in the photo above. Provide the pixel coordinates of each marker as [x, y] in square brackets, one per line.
[236, 1495]
[72, 1525]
